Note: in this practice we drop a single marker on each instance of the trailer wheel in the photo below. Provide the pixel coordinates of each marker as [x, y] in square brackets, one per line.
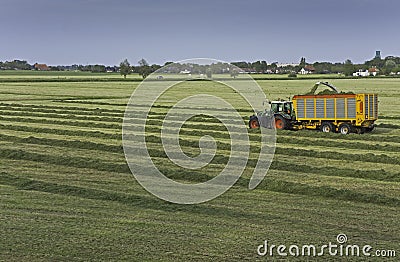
[326, 127]
[253, 123]
[280, 122]
[345, 129]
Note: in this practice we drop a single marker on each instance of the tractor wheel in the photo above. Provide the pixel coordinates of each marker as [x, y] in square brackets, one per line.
[327, 127]
[280, 123]
[345, 129]
[253, 123]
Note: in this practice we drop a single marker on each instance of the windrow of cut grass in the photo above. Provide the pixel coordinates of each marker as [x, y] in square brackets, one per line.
[160, 115]
[154, 118]
[60, 122]
[166, 107]
[267, 184]
[60, 111]
[153, 125]
[220, 132]
[56, 131]
[81, 109]
[219, 159]
[17, 109]
[334, 136]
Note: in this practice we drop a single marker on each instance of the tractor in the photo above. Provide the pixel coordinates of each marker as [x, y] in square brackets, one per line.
[281, 111]
[328, 111]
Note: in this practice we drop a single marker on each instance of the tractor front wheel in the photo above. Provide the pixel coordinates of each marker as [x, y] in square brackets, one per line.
[253, 123]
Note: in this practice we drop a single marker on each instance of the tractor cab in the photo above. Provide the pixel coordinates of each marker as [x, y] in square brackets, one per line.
[285, 107]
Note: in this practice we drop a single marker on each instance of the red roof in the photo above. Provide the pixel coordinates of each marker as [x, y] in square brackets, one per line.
[42, 67]
[309, 68]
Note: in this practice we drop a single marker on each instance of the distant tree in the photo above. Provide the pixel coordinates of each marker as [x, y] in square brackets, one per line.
[209, 73]
[273, 67]
[259, 66]
[155, 67]
[322, 67]
[302, 62]
[16, 64]
[264, 66]
[125, 68]
[144, 68]
[234, 72]
[98, 69]
[348, 67]
[389, 66]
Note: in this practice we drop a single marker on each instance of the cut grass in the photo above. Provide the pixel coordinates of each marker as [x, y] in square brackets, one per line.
[67, 193]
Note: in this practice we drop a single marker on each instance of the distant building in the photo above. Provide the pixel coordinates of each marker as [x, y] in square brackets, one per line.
[373, 71]
[308, 69]
[378, 55]
[286, 64]
[184, 72]
[41, 67]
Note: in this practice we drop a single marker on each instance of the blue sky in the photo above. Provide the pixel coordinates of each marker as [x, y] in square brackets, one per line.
[106, 32]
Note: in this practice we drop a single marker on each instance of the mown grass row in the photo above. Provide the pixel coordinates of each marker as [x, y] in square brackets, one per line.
[144, 201]
[337, 144]
[121, 112]
[74, 114]
[98, 112]
[334, 136]
[155, 129]
[218, 159]
[66, 132]
[154, 118]
[167, 107]
[267, 184]
[160, 115]
[62, 116]
[83, 109]
[60, 122]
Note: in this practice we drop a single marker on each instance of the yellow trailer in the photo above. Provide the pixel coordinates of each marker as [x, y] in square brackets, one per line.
[329, 111]
[337, 112]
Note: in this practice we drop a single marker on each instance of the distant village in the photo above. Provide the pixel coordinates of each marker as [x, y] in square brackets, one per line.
[374, 67]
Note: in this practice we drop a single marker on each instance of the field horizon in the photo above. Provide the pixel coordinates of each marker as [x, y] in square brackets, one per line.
[68, 194]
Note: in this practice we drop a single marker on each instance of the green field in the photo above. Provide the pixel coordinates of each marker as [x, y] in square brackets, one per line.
[67, 193]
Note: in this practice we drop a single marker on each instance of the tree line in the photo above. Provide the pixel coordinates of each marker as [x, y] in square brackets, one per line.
[385, 66]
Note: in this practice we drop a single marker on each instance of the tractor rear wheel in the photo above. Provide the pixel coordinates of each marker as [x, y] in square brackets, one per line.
[253, 123]
[280, 123]
[327, 127]
[345, 129]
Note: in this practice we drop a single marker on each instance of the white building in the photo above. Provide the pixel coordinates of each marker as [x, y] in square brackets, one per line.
[361, 73]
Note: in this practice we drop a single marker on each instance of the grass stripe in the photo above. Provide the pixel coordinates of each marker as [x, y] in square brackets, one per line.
[79, 162]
